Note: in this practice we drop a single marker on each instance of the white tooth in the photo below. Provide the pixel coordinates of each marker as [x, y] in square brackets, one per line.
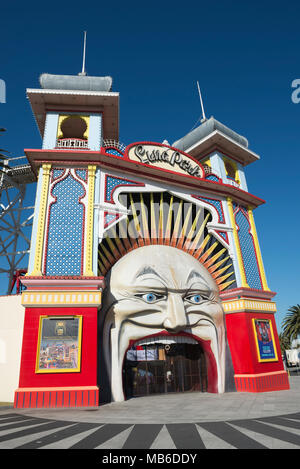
[167, 340]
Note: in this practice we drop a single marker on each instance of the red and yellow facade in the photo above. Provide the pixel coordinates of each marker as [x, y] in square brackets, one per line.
[78, 202]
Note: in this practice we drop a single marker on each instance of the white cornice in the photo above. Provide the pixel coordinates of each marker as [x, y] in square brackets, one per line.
[219, 140]
[71, 92]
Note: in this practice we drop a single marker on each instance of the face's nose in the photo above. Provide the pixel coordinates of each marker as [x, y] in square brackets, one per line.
[176, 319]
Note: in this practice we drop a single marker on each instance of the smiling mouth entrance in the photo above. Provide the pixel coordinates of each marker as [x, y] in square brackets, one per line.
[164, 365]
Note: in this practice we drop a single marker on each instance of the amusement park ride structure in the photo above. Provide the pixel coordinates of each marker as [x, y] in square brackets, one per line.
[15, 221]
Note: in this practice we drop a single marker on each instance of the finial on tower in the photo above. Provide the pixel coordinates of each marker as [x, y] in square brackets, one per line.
[202, 107]
[83, 72]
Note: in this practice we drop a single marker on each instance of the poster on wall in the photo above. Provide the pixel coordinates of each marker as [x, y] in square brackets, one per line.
[59, 344]
[264, 338]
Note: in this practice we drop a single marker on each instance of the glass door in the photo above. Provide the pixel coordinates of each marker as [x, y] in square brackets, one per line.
[159, 368]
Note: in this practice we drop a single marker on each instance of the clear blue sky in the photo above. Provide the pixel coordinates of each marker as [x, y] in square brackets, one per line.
[245, 56]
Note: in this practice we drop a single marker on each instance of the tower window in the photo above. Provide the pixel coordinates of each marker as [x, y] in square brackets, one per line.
[73, 132]
[230, 170]
[73, 127]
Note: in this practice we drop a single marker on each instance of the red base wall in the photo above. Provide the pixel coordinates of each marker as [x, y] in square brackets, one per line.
[26, 398]
[251, 375]
[69, 389]
[276, 381]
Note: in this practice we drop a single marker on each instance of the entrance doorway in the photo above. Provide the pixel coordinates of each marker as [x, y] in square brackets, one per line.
[159, 368]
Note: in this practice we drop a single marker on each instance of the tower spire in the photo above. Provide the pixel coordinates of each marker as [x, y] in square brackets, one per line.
[83, 72]
[202, 107]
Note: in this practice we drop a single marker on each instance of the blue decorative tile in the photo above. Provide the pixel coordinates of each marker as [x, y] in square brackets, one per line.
[113, 182]
[64, 247]
[248, 250]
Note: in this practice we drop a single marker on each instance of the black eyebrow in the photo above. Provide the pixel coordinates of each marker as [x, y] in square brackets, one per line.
[196, 274]
[147, 270]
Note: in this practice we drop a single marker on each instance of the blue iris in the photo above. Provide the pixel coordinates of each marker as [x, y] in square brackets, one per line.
[149, 297]
[196, 299]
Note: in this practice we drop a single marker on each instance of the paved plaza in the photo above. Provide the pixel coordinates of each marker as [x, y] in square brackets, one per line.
[173, 421]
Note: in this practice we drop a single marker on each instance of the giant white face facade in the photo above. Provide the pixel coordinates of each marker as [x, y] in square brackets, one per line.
[157, 291]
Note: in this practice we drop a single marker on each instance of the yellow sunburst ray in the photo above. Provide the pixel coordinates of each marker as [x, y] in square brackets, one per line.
[177, 225]
[153, 230]
[106, 264]
[102, 269]
[137, 225]
[212, 259]
[219, 272]
[141, 228]
[124, 235]
[161, 219]
[202, 246]
[224, 277]
[113, 249]
[208, 252]
[145, 221]
[169, 222]
[184, 228]
[225, 285]
[110, 257]
[198, 236]
[214, 267]
[118, 242]
[187, 244]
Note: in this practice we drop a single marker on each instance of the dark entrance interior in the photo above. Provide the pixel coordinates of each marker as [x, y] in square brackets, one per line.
[160, 368]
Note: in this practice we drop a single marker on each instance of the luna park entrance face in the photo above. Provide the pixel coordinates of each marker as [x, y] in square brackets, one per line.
[164, 368]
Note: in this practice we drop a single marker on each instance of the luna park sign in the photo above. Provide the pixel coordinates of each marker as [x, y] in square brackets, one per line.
[165, 157]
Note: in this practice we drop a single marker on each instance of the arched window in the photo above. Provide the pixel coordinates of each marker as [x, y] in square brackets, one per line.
[72, 132]
[74, 127]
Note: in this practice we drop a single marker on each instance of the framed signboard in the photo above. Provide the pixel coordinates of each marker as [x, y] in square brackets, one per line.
[264, 339]
[59, 344]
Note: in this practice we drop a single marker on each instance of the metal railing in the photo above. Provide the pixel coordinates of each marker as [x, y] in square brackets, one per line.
[71, 143]
[114, 144]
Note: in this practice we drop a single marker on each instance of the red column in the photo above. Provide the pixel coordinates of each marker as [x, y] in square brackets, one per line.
[251, 374]
[58, 389]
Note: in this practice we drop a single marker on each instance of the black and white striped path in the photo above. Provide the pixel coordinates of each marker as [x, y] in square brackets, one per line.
[19, 431]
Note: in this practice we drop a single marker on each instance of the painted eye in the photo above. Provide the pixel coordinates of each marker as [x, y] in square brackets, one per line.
[195, 299]
[150, 297]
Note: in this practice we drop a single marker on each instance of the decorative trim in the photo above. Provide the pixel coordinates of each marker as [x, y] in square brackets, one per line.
[67, 298]
[53, 200]
[118, 163]
[237, 244]
[57, 397]
[110, 217]
[236, 293]
[224, 235]
[88, 267]
[257, 249]
[262, 382]
[37, 266]
[246, 305]
[253, 278]
[63, 283]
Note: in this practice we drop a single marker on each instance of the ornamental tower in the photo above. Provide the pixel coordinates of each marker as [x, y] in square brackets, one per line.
[142, 251]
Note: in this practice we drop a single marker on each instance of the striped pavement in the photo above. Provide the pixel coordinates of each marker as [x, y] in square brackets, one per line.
[19, 431]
